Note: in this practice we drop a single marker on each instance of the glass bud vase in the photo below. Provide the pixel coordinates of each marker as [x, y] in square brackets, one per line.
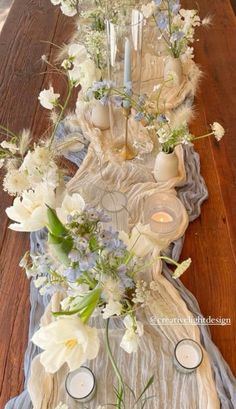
[124, 43]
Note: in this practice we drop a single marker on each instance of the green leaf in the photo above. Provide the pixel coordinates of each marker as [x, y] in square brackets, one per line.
[54, 224]
[149, 383]
[85, 307]
[60, 248]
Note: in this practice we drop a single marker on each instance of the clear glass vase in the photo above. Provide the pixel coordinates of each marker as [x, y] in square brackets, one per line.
[124, 50]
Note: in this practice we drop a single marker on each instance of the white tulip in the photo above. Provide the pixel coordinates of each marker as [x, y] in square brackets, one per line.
[30, 211]
[66, 340]
[70, 205]
[48, 98]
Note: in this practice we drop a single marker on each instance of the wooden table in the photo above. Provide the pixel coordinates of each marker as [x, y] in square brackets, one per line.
[31, 27]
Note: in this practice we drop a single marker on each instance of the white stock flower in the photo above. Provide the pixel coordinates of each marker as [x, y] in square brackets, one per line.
[15, 182]
[112, 308]
[111, 289]
[217, 130]
[78, 52]
[149, 9]
[66, 340]
[48, 98]
[89, 73]
[30, 211]
[40, 281]
[134, 330]
[182, 268]
[70, 205]
[9, 146]
[2, 161]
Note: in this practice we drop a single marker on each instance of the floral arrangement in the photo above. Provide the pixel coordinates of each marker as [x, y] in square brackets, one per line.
[175, 24]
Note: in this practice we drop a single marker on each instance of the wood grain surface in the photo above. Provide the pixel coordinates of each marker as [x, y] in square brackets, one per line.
[30, 28]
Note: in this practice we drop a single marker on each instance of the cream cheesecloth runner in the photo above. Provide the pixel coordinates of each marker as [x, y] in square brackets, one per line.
[168, 383]
[155, 355]
[100, 172]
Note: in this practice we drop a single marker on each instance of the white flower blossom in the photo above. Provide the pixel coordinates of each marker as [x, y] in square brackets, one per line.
[66, 340]
[182, 268]
[134, 330]
[111, 289]
[2, 161]
[112, 308]
[15, 182]
[217, 130]
[71, 204]
[9, 146]
[48, 99]
[30, 211]
[149, 9]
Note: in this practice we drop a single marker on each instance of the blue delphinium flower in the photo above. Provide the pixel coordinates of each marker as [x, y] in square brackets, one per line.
[104, 100]
[175, 7]
[117, 101]
[139, 116]
[158, 2]
[162, 21]
[162, 118]
[74, 255]
[176, 36]
[125, 280]
[142, 99]
[72, 273]
[88, 262]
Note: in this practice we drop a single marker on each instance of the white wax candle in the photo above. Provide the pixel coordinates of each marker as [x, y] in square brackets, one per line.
[127, 62]
[162, 217]
[188, 354]
[80, 384]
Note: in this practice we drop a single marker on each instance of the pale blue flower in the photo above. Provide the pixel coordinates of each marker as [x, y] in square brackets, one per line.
[139, 116]
[162, 21]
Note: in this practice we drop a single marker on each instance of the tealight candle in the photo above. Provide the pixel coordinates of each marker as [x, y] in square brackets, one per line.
[162, 217]
[81, 384]
[163, 212]
[188, 355]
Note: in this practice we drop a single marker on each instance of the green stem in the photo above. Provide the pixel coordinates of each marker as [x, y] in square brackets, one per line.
[9, 132]
[63, 108]
[203, 136]
[116, 369]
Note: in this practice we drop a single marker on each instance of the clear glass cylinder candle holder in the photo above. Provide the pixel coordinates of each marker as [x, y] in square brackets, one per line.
[188, 355]
[163, 212]
[124, 48]
[124, 51]
[115, 205]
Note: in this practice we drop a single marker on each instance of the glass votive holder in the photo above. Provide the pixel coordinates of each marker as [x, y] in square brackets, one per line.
[163, 212]
[188, 355]
[81, 384]
[115, 205]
